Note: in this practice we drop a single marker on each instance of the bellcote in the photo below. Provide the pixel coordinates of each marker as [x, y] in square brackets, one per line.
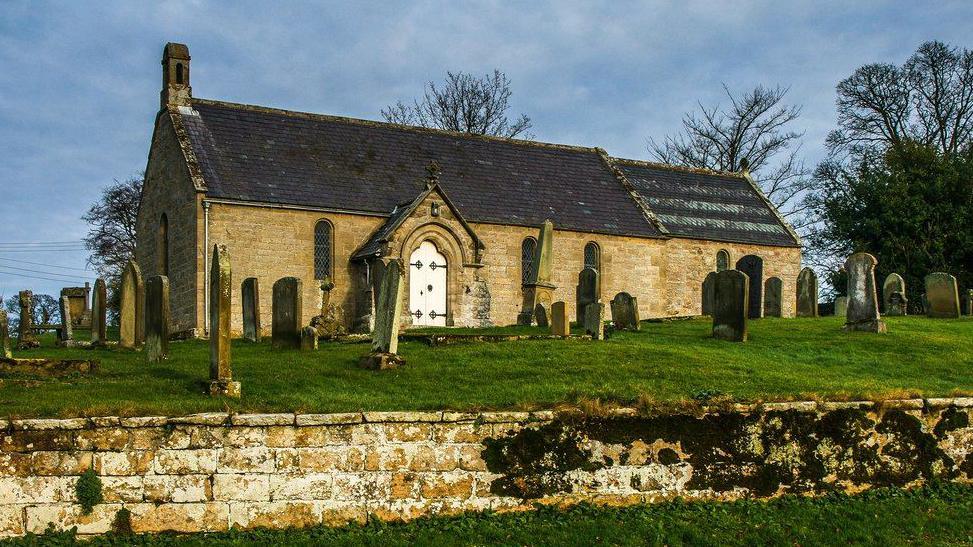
[175, 76]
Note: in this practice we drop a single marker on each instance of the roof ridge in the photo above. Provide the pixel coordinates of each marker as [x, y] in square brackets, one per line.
[373, 123]
[672, 167]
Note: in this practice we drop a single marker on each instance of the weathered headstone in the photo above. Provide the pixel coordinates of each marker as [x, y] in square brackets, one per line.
[841, 306]
[99, 314]
[731, 306]
[131, 317]
[708, 285]
[330, 322]
[753, 266]
[539, 289]
[250, 291]
[66, 332]
[893, 295]
[220, 299]
[288, 309]
[807, 293]
[594, 320]
[388, 316]
[773, 297]
[540, 315]
[588, 291]
[942, 295]
[625, 312]
[4, 336]
[560, 325]
[968, 303]
[309, 339]
[157, 318]
[25, 327]
[862, 314]
[80, 309]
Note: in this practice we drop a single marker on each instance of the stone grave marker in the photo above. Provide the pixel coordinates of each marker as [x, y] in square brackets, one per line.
[807, 293]
[99, 314]
[841, 306]
[773, 297]
[588, 291]
[25, 328]
[131, 316]
[329, 323]
[66, 332]
[731, 306]
[560, 325]
[968, 303]
[220, 299]
[539, 288]
[5, 336]
[942, 295]
[309, 339]
[708, 285]
[157, 318]
[594, 320]
[388, 316]
[540, 315]
[893, 295]
[288, 309]
[862, 314]
[625, 312]
[753, 266]
[250, 291]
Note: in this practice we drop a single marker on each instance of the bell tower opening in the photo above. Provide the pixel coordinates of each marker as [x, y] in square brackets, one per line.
[176, 90]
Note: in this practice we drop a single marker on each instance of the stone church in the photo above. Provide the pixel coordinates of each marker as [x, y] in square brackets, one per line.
[315, 196]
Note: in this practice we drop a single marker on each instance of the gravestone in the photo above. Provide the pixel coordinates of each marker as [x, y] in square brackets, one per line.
[560, 325]
[80, 311]
[625, 312]
[807, 293]
[708, 285]
[388, 316]
[588, 291]
[942, 295]
[131, 317]
[25, 327]
[841, 306]
[99, 314]
[773, 297]
[594, 320]
[251, 309]
[66, 332]
[328, 323]
[730, 306]
[220, 300]
[862, 314]
[157, 318]
[288, 309]
[968, 303]
[540, 315]
[309, 339]
[5, 336]
[893, 295]
[539, 289]
[753, 266]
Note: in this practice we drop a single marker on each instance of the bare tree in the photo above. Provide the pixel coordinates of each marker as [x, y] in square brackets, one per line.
[752, 132]
[464, 103]
[111, 236]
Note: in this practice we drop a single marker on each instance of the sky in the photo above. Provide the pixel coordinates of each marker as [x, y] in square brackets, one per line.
[80, 81]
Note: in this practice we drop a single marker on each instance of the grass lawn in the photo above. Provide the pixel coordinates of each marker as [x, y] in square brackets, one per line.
[785, 359]
[937, 515]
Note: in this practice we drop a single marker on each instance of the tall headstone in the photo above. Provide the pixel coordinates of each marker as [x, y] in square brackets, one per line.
[131, 316]
[66, 332]
[25, 327]
[588, 291]
[753, 266]
[942, 295]
[5, 336]
[773, 297]
[708, 285]
[157, 318]
[99, 314]
[539, 289]
[731, 306]
[220, 297]
[625, 312]
[388, 316]
[807, 293]
[560, 324]
[251, 309]
[841, 306]
[862, 312]
[594, 320]
[288, 309]
[893, 295]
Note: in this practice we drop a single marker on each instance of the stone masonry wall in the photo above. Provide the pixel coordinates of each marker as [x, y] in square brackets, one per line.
[211, 472]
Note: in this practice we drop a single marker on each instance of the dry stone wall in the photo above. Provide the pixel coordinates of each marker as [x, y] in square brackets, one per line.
[211, 472]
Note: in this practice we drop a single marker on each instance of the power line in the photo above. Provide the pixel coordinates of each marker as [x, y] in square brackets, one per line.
[41, 242]
[72, 276]
[43, 264]
[39, 277]
[41, 250]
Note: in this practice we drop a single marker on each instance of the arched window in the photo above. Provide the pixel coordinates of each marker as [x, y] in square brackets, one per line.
[592, 256]
[178, 73]
[163, 243]
[323, 245]
[527, 250]
[722, 260]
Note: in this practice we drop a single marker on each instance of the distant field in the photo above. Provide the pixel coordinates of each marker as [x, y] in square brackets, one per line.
[785, 359]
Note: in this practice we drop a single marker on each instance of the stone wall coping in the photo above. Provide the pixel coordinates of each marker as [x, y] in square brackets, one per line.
[262, 419]
[204, 418]
[329, 419]
[144, 421]
[944, 402]
[403, 416]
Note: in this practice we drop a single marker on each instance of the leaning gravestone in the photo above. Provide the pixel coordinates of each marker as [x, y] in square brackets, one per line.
[893, 295]
[588, 291]
[708, 285]
[131, 317]
[288, 309]
[220, 297]
[773, 297]
[841, 306]
[560, 326]
[157, 318]
[251, 309]
[66, 332]
[862, 314]
[942, 295]
[99, 314]
[540, 315]
[594, 320]
[807, 293]
[731, 305]
[25, 328]
[5, 336]
[625, 311]
[388, 316]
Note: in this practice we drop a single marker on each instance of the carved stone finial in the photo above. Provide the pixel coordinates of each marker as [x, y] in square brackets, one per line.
[433, 171]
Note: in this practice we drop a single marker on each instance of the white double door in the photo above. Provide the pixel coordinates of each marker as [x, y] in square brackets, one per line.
[427, 286]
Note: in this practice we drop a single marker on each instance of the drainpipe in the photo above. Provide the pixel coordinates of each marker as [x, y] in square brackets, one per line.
[205, 267]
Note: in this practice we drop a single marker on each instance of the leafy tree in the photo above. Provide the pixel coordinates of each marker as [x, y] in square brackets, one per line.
[45, 310]
[464, 103]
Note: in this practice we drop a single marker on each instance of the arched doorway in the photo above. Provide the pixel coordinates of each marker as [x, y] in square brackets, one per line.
[753, 266]
[427, 285]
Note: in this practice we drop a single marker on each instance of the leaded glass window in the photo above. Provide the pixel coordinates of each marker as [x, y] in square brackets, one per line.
[592, 256]
[722, 260]
[323, 244]
[527, 249]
